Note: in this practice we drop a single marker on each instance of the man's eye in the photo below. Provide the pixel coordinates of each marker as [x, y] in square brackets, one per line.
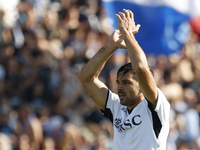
[125, 82]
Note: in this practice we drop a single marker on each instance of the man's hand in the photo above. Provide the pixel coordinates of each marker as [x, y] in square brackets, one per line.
[117, 39]
[126, 22]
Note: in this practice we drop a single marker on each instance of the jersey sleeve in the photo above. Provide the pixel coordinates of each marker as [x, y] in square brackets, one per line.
[111, 103]
[162, 108]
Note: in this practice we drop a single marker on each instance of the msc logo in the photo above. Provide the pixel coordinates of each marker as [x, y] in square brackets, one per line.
[128, 123]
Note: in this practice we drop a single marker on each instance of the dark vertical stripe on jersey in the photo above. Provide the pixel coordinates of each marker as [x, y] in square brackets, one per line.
[107, 113]
[156, 121]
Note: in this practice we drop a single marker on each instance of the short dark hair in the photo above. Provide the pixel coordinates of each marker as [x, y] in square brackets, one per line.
[128, 68]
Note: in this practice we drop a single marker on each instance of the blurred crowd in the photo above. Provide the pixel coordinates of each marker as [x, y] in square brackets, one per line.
[43, 106]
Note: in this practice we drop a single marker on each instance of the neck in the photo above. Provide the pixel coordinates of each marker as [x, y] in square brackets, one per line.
[137, 100]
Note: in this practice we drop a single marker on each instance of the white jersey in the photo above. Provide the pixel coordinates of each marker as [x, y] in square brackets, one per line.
[145, 128]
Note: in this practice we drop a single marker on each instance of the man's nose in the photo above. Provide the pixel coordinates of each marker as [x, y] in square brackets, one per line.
[120, 87]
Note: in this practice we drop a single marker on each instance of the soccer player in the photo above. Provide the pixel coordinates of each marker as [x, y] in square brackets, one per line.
[139, 111]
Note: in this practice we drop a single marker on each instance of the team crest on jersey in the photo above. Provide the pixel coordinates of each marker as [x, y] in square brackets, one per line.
[117, 122]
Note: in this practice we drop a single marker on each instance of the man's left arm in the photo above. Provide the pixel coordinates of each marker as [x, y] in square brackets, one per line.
[137, 56]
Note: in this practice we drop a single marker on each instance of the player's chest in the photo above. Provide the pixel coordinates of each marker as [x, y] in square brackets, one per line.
[123, 120]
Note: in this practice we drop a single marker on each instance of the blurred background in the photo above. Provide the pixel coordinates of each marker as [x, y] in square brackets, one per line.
[43, 46]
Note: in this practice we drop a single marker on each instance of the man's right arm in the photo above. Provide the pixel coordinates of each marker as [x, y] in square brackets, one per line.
[89, 76]
[90, 73]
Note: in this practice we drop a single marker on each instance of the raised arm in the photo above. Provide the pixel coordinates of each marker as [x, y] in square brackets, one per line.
[90, 73]
[137, 56]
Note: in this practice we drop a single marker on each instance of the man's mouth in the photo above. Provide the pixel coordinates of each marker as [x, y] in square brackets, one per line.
[121, 95]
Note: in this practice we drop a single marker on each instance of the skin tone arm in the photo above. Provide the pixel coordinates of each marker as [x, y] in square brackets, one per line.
[137, 56]
[90, 73]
